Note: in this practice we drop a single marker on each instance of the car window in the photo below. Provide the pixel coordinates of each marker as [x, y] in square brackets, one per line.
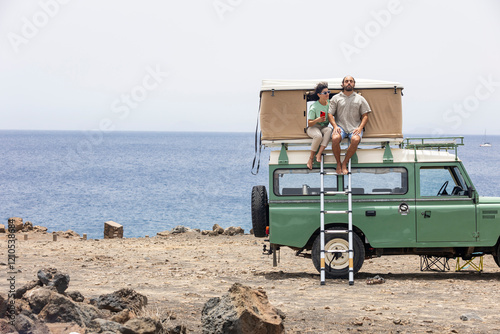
[378, 181]
[301, 182]
[442, 181]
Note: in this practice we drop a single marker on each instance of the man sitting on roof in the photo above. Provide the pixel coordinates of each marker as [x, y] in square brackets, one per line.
[348, 113]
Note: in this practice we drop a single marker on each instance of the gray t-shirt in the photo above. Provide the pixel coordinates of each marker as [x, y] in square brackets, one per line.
[347, 110]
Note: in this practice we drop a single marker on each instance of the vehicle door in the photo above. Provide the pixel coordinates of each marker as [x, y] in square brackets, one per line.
[445, 211]
[384, 204]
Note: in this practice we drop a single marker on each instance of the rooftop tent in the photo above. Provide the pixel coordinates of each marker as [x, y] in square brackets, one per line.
[283, 108]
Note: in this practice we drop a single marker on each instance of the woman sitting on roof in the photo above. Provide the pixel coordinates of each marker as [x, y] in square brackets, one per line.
[317, 123]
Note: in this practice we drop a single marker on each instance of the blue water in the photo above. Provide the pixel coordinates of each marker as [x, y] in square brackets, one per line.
[146, 181]
[152, 181]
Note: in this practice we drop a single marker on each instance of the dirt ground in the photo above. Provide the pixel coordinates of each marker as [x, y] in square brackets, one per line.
[179, 273]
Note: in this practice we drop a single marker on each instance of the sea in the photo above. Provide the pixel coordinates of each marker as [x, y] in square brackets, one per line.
[153, 181]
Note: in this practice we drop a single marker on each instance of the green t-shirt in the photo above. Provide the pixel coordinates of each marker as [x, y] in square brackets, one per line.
[316, 109]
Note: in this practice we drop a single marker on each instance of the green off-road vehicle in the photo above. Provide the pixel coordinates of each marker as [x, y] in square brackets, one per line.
[409, 196]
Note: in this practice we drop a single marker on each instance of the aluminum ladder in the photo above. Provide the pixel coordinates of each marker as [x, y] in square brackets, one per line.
[349, 230]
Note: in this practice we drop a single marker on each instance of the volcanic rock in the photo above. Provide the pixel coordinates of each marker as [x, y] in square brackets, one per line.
[242, 310]
[52, 277]
[121, 300]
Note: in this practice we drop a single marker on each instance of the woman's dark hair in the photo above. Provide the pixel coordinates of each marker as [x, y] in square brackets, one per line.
[319, 87]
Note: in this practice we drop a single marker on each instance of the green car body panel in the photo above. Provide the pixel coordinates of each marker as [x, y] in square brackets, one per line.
[430, 221]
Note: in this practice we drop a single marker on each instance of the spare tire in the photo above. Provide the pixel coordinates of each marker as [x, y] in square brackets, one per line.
[260, 211]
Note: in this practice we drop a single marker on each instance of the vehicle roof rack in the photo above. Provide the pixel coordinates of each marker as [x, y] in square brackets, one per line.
[382, 143]
[431, 143]
[307, 142]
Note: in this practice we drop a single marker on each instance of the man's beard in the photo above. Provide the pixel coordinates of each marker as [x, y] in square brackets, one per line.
[348, 88]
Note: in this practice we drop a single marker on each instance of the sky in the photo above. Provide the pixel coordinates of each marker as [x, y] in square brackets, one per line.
[151, 65]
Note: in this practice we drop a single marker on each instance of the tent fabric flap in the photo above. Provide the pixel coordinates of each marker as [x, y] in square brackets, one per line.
[283, 115]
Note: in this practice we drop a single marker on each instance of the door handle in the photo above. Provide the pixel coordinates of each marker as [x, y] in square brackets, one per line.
[426, 214]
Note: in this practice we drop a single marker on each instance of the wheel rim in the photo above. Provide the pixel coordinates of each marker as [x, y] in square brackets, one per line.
[341, 260]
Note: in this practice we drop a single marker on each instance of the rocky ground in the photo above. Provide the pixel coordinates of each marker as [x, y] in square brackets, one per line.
[179, 273]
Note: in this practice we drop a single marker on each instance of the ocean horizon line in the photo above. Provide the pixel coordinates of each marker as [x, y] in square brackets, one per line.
[122, 131]
[214, 132]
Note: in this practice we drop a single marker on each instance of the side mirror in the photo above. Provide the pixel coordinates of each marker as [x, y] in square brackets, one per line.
[472, 193]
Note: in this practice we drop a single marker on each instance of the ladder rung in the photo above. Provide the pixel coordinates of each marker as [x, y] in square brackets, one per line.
[336, 231]
[330, 173]
[337, 251]
[333, 212]
[341, 154]
[336, 192]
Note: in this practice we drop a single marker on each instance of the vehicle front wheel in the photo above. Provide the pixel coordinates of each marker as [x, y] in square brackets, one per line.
[337, 264]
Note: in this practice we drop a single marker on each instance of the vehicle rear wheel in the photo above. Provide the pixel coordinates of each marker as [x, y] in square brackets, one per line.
[337, 264]
[260, 211]
[497, 257]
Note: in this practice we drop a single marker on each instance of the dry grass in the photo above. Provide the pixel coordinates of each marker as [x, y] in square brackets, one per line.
[162, 315]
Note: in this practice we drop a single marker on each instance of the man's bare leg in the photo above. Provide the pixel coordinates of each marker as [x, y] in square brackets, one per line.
[336, 139]
[350, 152]
[310, 161]
[320, 152]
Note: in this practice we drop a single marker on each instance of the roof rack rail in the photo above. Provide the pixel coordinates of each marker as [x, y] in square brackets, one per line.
[307, 142]
[430, 143]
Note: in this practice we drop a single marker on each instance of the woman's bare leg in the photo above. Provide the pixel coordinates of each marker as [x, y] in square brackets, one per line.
[320, 152]
[310, 161]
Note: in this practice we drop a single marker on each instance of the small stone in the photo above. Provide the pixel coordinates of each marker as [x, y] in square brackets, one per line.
[38, 228]
[46, 274]
[181, 229]
[60, 282]
[107, 326]
[75, 296]
[233, 231]
[28, 286]
[142, 325]
[16, 223]
[51, 277]
[123, 316]
[28, 226]
[470, 316]
[375, 280]
[217, 229]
